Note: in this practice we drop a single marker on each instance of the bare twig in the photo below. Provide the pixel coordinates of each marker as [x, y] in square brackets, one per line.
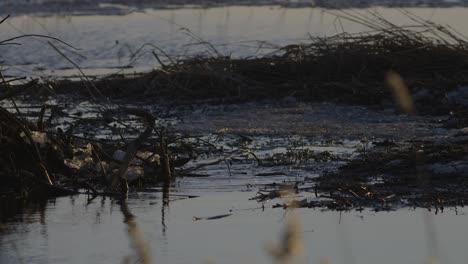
[86, 81]
[6, 41]
[4, 19]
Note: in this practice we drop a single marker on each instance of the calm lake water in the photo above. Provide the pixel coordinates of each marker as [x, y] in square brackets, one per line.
[74, 230]
[109, 42]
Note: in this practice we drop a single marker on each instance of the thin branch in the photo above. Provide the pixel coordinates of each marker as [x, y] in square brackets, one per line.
[4, 19]
[83, 75]
[5, 42]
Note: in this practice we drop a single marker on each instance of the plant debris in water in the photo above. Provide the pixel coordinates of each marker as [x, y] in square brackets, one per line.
[432, 60]
[422, 174]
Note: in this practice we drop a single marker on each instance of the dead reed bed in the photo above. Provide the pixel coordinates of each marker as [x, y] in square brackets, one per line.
[347, 68]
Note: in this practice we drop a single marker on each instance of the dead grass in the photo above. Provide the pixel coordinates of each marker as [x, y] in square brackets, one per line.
[343, 68]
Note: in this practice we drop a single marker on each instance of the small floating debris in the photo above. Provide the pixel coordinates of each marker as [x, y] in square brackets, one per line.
[266, 174]
[211, 217]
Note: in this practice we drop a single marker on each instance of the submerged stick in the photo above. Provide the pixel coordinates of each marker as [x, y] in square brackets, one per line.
[132, 148]
[165, 162]
[188, 170]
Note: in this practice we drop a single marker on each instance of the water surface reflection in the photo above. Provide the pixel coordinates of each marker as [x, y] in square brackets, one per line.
[74, 230]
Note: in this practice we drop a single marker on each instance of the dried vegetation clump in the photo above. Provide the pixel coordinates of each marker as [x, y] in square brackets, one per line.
[351, 68]
[44, 162]
[388, 177]
[420, 175]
